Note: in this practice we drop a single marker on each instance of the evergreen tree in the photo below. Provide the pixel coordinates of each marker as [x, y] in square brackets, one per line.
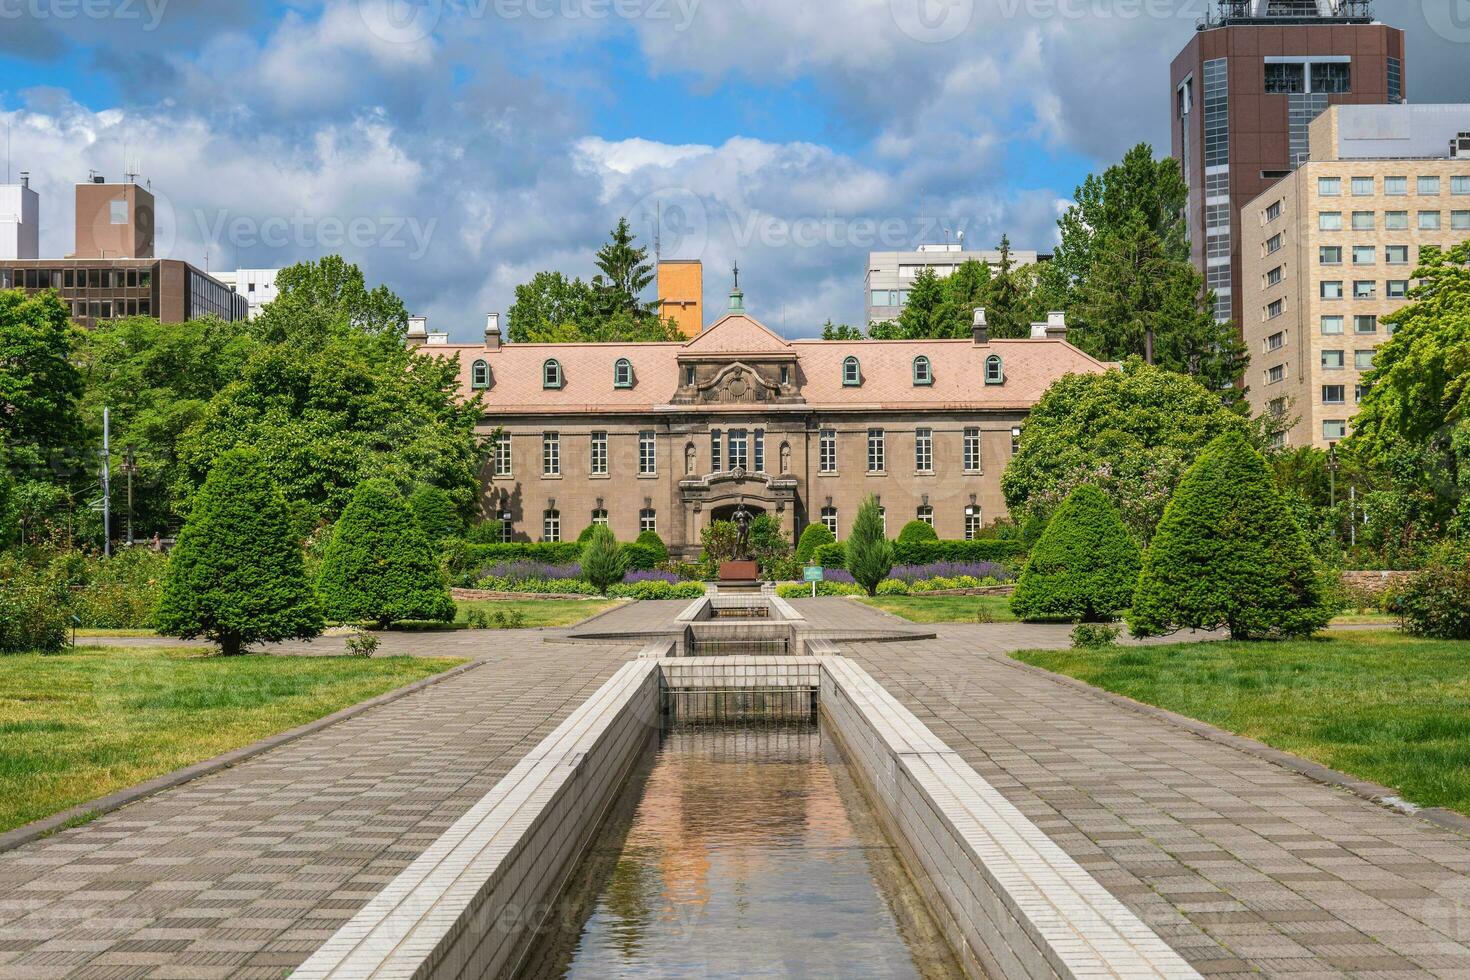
[436, 513]
[967, 288]
[603, 563]
[869, 553]
[238, 574]
[1227, 553]
[1138, 185]
[840, 331]
[39, 385]
[379, 566]
[920, 315]
[813, 536]
[1085, 565]
[626, 273]
[916, 530]
[1008, 298]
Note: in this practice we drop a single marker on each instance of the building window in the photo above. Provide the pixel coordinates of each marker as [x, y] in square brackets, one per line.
[507, 530]
[1217, 113]
[1364, 288]
[923, 375]
[1329, 186]
[1363, 360]
[1015, 439]
[1364, 255]
[1273, 211]
[1285, 79]
[1276, 374]
[924, 450]
[1329, 255]
[1396, 220]
[739, 450]
[827, 451]
[1429, 221]
[648, 521]
[551, 526]
[502, 454]
[995, 372]
[1396, 186]
[647, 454]
[1396, 288]
[1275, 309]
[1396, 254]
[785, 374]
[1276, 341]
[551, 374]
[1332, 325]
[1334, 429]
[599, 517]
[1365, 323]
[1363, 186]
[1429, 187]
[972, 450]
[1362, 221]
[876, 454]
[1330, 289]
[1332, 360]
[480, 376]
[1331, 77]
[1273, 278]
[758, 449]
[1277, 407]
[1334, 394]
[599, 454]
[1273, 244]
[925, 513]
[623, 373]
[829, 518]
[972, 522]
[1460, 220]
[851, 373]
[550, 454]
[1328, 221]
[689, 375]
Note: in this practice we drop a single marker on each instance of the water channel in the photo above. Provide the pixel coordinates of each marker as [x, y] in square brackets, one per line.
[741, 850]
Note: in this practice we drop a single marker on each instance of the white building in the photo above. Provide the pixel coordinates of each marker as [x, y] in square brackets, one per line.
[258, 286]
[890, 275]
[20, 220]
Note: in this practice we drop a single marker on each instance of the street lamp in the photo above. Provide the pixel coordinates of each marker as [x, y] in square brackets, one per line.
[130, 466]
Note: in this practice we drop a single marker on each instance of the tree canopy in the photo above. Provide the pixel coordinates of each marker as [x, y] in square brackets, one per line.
[40, 387]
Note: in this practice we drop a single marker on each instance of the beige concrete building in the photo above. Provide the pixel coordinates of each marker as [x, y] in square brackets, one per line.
[1330, 251]
[670, 436]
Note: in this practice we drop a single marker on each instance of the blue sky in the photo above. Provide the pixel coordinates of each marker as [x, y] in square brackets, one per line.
[455, 147]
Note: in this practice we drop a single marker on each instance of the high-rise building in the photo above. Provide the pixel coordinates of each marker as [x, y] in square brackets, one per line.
[1245, 90]
[681, 294]
[890, 275]
[113, 221]
[258, 286]
[1330, 250]
[20, 217]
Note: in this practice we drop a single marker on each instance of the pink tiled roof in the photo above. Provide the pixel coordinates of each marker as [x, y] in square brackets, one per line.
[887, 370]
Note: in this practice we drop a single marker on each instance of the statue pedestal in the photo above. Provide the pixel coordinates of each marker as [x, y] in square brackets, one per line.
[740, 576]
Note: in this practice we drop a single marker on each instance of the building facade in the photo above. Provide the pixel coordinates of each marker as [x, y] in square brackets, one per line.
[681, 294]
[20, 220]
[171, 290]
[258, 286]
[1331, 249]
[669, 437]
[1244, 91]
[890, 275]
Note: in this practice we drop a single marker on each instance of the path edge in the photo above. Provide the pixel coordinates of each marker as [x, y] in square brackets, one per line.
[1376, 793]
[44, 827]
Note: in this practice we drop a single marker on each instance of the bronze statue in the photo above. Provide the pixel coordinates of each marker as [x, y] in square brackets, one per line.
[741, 517]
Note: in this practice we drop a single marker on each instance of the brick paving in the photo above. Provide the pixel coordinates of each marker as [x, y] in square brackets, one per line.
[1243, 867]
[245, 872]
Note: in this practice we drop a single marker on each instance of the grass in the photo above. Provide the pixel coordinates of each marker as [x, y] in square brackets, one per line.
[1365, 619]
[534, 612]
[1382, 706]
[78, 725]
[944, 608]
[98, 631]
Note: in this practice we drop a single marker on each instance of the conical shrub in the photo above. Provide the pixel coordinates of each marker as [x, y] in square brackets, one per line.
[1084, 567]
[1227, 554]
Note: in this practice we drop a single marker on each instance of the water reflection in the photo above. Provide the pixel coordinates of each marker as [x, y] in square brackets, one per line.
[748, 853]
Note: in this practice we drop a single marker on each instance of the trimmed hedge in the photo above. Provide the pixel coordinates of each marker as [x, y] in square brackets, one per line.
[917, 530]
[928, 552]
[803, 590]
[813, 538]
[657, 590]
[1084, 567]
[558, 553]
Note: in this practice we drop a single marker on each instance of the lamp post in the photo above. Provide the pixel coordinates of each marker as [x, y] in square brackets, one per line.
[1333, 465]
[130, 466]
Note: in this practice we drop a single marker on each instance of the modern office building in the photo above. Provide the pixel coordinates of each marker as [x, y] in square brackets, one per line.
[1244, 91]
[113, 272]
[20, 220]
[890, 275]
[669, 436]
[258, 286]
[681, 294]
[1330, 250]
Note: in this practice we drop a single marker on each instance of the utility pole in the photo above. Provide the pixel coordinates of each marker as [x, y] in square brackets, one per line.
[130, 462]
[106, 484]
[1353, 515]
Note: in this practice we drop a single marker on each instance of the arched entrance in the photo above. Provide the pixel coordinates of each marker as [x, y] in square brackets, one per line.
[726, 512]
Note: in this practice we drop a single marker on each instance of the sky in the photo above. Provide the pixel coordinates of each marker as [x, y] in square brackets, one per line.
[454, 148]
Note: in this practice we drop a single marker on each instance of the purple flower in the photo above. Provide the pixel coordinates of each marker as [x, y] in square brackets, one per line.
[632, 578]
[531, 571]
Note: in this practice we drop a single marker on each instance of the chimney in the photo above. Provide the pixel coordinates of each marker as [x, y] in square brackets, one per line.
[980, 330]
[492, 331]
[418, 331]
[25, 178]
[1056, 325]
[1038, 331]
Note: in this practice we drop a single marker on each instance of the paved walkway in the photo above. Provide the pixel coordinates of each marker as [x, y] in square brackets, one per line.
[244, 873]
[1242, 866]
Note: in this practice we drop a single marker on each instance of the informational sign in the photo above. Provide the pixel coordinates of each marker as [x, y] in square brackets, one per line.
[812, 573]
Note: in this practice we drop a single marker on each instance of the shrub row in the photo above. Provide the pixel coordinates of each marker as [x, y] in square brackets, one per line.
[927, 552]
[641, 556]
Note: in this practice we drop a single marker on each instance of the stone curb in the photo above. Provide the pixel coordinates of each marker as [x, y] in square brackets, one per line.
[46, 826]
[1383, 796]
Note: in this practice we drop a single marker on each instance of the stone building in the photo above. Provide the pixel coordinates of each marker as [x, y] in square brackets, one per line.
[670, 436]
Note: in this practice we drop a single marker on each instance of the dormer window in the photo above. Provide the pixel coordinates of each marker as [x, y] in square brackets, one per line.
[623, 373]
[852, 373]
[923, 372]
[479, 376]
[551, 376]
[995, 372]
[689, 375]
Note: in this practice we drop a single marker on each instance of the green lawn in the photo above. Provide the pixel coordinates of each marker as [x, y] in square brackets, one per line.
[537, 612]
[1383, 706]
[78, 725]
[944, 608]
